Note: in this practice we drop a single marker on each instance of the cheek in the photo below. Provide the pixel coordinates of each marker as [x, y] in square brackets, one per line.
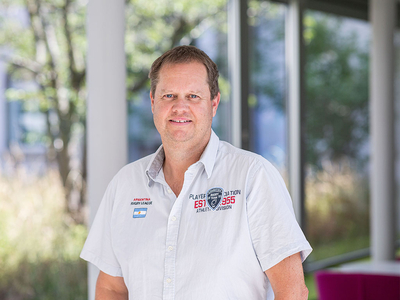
[206, 116]
[160, 113]
[156, 115]
[158, 108]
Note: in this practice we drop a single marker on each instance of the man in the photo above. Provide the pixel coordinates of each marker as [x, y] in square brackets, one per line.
[199, 219]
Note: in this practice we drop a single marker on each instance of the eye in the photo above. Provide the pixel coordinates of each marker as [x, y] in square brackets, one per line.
[192, 96]
[169, 96]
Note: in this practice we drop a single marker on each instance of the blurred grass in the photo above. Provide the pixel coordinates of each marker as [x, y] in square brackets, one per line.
[339, 247]
[39, 243]
[337, 208]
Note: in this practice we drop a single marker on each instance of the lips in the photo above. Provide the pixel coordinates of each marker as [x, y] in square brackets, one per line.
[180, 121]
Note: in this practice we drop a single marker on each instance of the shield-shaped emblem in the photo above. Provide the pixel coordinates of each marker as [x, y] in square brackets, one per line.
[214, 197]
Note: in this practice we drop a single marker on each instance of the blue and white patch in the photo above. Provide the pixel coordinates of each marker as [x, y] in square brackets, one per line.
[214, 197]
[140, 212]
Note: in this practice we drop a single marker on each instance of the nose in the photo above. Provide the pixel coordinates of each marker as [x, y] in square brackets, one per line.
[180, 103]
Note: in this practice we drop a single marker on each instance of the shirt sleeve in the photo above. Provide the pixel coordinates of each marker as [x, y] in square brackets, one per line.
[274, 230]
[98, 246]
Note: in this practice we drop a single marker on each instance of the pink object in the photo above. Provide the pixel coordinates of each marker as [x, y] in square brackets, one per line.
[335, 285]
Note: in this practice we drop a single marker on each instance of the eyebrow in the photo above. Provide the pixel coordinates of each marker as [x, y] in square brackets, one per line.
[171, 91]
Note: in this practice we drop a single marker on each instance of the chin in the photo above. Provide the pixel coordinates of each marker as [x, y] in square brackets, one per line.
[179, 137]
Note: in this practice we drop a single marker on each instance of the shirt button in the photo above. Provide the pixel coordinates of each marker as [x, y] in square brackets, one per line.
[169, 191]
[169, 280]
[170, 248]
[173, 218]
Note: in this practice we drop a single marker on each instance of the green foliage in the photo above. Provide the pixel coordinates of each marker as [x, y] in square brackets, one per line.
[336, 90]
[45, 49]
[154, 27]
[39, 243]
[336, 80]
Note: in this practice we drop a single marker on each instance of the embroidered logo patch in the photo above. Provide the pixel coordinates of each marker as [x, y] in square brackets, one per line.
[140, 212]
[214, 197]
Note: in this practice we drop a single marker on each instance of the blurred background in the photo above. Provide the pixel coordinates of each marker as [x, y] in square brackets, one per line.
[43, 149]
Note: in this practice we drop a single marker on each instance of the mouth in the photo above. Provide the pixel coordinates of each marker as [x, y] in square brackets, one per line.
[180, 121]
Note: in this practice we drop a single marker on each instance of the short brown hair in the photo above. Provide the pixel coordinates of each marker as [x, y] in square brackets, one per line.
[186, 54]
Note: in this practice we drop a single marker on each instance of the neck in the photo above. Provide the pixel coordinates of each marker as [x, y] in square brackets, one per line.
[177, 162]
[178, 159]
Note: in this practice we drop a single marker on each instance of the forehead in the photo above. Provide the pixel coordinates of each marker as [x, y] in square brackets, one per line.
[192, 72]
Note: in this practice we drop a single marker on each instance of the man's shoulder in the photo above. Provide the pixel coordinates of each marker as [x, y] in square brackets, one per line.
[227, 149]
[247, 159]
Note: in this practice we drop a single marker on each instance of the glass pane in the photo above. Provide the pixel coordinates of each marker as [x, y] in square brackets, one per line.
[149, 33]
[337, 142]
[267, 81]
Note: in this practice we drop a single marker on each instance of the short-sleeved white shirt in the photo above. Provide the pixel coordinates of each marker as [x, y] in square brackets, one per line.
[232, 221]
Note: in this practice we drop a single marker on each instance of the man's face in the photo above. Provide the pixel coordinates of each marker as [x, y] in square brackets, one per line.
[182, 108]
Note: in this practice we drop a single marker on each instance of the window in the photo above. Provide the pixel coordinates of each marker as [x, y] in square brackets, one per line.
[337, 136]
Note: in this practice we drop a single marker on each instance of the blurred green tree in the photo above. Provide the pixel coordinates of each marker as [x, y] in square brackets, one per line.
[337, 70]
[46, 44]
[336, 80]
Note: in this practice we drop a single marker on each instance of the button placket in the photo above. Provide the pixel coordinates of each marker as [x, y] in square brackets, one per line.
[170, 251]
[172, 240]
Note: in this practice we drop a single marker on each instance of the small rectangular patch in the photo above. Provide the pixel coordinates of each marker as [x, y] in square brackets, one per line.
[140, 212]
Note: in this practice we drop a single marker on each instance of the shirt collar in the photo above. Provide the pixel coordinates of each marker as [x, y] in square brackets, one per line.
[155, 164]
[207, 158]
[210, 154]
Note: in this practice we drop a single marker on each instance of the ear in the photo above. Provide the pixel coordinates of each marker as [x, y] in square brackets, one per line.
[152, 102]
[215, 103]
